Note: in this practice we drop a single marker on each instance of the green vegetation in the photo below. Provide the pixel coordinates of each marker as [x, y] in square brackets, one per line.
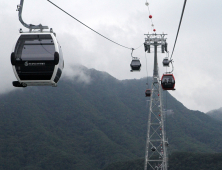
[177, 161]
[89, 126]
[128, 165]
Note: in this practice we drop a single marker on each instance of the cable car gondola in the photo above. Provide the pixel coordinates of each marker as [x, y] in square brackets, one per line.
[135, 65]
[37, 59]
[168, 82]
[166, 62]
[148, 93]
[153, 149]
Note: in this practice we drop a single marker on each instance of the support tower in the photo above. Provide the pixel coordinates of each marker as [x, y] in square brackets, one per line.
[156, 144]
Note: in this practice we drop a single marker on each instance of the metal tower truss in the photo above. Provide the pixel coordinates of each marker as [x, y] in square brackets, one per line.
[156, 144]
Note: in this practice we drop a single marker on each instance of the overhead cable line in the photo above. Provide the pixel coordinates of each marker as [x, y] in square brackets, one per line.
[150, 16]
[139, 47]
[166, 113]
[90, 28]
[147, 83]
[152, 28]
[184, 5]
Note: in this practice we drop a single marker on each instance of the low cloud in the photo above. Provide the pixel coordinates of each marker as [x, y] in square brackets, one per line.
[77, 73]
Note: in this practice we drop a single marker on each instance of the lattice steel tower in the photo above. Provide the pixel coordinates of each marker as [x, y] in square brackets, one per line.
[156, 144]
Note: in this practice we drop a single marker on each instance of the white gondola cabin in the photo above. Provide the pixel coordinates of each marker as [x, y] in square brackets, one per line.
[37, 59]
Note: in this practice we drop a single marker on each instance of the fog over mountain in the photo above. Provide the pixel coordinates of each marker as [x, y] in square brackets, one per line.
[216, 114]
[197, 55]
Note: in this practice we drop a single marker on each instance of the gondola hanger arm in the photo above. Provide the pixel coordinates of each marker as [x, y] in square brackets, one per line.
[132, 54]
[171, 61]
[29, 26]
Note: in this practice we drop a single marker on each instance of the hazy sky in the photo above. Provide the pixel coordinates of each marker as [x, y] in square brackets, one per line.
[197, 56]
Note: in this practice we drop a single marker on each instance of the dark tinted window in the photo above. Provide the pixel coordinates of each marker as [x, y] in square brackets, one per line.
[35, 47]
[164, 80]
[168, 79]
[135, 62]
[165, 61]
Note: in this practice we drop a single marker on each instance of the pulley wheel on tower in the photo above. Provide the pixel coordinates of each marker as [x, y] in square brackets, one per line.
[147, 48]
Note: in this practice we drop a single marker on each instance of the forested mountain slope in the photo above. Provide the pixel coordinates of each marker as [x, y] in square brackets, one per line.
[91, 125]
[177, 161]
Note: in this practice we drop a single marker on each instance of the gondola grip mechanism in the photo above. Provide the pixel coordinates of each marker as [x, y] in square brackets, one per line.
[30, 26]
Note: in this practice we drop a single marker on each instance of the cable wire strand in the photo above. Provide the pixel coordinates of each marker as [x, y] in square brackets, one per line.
[147, 83]
[138, 47]
[152, 25]
[184, 5]
[89, 27]
[172, 68]
[166, 114]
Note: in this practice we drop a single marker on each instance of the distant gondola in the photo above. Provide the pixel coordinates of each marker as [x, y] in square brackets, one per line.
[168, 82]
[37, 59]
[166, 62]
[148, 93]
[135, 65]
[153, 149]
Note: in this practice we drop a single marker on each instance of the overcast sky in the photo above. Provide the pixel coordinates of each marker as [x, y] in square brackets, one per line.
[197, 56]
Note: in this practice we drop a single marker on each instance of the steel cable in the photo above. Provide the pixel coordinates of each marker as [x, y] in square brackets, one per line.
[89, 27]
[179, 27]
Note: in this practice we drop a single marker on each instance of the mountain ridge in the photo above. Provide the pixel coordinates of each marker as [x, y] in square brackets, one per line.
[92, 124]
[216, 114]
